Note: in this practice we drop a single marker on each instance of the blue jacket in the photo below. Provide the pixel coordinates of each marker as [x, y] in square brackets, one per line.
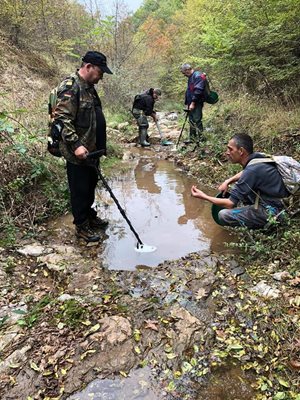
[195, 88]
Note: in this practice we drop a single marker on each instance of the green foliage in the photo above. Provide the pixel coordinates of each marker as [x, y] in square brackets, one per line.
[32, 186]
[71, 313]
[277, 242]
[163, 10]
[32, 316]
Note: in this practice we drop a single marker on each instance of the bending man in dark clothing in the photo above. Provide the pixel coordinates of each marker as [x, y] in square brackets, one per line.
[259, 187]
[194, 100]
[79, 112]
[143, 105]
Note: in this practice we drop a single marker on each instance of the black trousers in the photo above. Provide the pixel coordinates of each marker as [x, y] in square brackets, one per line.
[82, 184]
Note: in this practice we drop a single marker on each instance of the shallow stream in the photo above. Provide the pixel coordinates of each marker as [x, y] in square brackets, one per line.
[156, 198]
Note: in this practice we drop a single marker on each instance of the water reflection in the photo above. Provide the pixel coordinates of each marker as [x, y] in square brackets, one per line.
[156, 198]
[144, 176]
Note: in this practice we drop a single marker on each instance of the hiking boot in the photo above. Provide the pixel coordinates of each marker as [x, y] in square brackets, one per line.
[98, 223]
[84, 231]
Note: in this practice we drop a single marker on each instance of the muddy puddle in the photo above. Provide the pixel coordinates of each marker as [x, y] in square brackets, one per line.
[155, 196]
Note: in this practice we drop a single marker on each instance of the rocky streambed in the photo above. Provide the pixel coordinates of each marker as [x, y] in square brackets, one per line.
[199, 327]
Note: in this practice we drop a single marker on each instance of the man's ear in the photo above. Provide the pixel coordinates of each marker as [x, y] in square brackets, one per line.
[242, 150]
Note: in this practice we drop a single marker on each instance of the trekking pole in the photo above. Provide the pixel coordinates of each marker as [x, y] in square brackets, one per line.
[179, 137]
[140, 247]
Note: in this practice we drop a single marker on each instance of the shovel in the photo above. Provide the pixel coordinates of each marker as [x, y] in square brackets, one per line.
[163, 142]
[140, 246]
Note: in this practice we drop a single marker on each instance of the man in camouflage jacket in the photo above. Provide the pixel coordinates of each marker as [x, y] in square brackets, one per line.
[78, 113]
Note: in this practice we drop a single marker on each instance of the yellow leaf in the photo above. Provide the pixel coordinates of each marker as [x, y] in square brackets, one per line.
[86, 323]
[86, 353]
[34, 366]
[283, 383]
[170, 356]
[93, 329]
[47, 373]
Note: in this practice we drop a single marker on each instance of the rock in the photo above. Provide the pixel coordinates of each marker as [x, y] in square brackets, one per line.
[10, 335]
[265, 290]
[65, 297]
[114, 330]
[17, 357]
[186, 327]
[233, 264]
[238, 271]
[128, 156]
[60, 260]
[148, 167]
[122, 126]
[172, 116]
[34, 249]
[282, 276]
[55, 262]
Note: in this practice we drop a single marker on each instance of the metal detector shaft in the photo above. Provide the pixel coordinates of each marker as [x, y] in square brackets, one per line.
[159, 130]
[118, 205]
[179, 137]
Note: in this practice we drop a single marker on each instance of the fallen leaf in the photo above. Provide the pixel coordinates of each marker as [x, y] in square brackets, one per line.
[34, 366]
[295, 364]
[201, 294]
[151, 325]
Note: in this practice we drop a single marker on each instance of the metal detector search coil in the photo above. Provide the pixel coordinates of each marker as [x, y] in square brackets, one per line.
[144, 248]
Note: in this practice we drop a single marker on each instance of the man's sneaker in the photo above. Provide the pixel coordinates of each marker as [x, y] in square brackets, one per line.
[85, 232]
[98, 223]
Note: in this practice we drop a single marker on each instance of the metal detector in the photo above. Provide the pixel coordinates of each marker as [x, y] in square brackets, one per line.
[179, 137]
[140, 246]
[163, 142]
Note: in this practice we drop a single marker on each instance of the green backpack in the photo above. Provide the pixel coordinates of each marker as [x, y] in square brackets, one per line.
[211, 97]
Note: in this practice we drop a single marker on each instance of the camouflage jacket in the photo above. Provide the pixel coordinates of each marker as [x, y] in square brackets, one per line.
[75, 108]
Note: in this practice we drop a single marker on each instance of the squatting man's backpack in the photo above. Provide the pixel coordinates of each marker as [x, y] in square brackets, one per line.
[288, 168]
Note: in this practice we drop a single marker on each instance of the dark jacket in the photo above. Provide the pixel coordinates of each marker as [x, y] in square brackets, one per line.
[145, 102]
[196, 88]
[76, 109]
[262, 179]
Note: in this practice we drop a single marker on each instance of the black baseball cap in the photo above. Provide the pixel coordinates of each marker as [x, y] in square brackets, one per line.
[96, 58]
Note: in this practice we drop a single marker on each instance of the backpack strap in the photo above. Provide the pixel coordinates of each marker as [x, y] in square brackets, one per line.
[261, 160]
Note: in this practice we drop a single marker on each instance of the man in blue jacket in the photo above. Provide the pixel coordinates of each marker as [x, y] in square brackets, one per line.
[259, 187]
[194, 100]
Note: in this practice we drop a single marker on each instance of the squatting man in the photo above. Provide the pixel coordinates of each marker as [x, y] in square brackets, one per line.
[259, 187]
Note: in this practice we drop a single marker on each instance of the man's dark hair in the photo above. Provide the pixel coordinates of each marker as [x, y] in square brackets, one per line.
[243, 140]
